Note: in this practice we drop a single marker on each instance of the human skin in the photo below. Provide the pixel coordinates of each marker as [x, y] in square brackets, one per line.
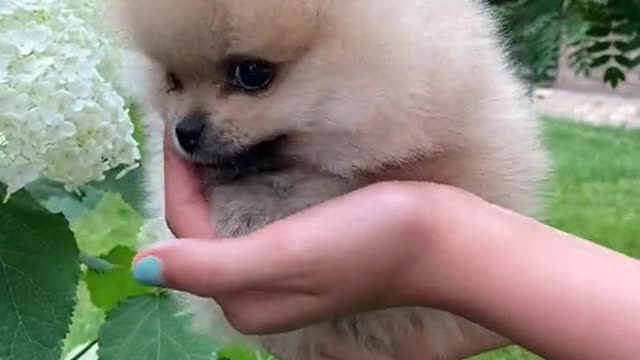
[557, 295]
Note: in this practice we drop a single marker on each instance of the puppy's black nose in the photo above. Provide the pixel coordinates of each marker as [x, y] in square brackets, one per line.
[189, 131]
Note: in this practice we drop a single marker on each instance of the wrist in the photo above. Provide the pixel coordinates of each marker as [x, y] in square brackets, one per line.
[453, 228]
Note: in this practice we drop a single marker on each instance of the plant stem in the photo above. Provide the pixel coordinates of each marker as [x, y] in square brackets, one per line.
[95, 264]
[85, 350]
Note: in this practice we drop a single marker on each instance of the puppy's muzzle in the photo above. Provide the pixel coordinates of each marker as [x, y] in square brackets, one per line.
[206, 144]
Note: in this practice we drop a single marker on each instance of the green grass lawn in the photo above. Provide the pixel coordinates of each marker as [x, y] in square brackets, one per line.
[594, 193]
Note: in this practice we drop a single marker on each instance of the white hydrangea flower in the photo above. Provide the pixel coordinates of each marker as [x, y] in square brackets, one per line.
[62, 115]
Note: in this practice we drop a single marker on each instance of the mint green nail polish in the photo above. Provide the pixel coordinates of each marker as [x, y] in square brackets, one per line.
[148, 271]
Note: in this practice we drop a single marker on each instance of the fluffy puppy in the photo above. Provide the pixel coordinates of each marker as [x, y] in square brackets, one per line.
[288, 103]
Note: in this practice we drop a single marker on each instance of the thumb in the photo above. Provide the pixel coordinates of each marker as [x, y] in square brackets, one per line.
[208, 268]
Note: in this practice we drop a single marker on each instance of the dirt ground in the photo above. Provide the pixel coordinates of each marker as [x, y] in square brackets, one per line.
[592, 107]
[589, 99]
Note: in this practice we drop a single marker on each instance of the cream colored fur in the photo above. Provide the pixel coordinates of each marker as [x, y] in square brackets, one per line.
[370, 90]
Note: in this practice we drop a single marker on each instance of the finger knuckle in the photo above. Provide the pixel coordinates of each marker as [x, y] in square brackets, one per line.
[243, 322]
[395, 196]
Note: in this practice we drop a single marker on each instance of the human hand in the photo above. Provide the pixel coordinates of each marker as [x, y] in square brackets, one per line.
[345, 256]
[299, 263]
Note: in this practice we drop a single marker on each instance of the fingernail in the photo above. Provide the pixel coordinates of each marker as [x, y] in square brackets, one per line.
[148, 271]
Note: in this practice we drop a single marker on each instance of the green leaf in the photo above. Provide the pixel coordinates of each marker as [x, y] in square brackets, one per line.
[624, 61]
[599, 46]
[600, 60]
[113, 223]
[53, 197]
[629, 46]
[242, 352]
[599, 30]
[85, 323]
[614, 76]
[39, 273]
[148, 328]
[113, 286]
[130, 187]
[625, 28]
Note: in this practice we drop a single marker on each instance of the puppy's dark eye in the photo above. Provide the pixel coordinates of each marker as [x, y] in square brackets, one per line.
[251, 75]
[174, 83]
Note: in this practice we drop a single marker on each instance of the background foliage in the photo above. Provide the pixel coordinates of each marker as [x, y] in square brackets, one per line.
[596, 33]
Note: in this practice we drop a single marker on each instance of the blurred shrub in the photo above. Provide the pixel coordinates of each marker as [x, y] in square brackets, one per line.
[596, 33]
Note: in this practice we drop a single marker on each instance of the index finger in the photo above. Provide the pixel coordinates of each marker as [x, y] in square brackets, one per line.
[187, 208]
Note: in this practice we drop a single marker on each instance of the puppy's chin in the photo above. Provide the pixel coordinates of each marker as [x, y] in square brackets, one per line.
[261, 158]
